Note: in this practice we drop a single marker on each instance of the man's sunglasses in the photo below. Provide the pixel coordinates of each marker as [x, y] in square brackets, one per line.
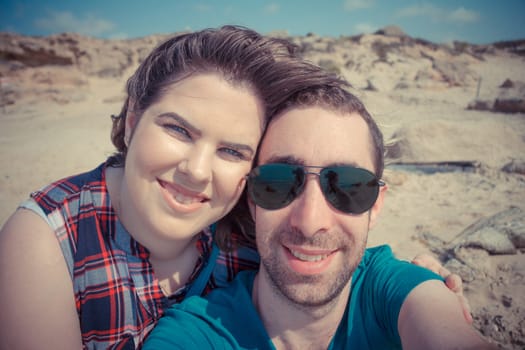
[346, 188]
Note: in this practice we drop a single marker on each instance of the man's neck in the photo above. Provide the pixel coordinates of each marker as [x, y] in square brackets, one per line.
[293, 326]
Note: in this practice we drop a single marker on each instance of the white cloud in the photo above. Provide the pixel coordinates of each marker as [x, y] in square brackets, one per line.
[364, 28]
[272, 8]
[67, 22]
[437, 14]
[424, 10]
[352, 5]
[463, 15]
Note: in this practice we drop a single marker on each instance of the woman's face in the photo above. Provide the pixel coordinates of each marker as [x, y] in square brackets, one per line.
[187, 158]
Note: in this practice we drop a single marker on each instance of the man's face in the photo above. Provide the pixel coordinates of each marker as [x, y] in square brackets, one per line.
[309, 250]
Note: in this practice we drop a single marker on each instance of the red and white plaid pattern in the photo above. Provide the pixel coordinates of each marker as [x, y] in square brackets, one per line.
[118, 298]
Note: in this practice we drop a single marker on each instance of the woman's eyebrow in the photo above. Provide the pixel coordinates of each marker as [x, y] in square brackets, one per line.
[183, 122]
[239, 147]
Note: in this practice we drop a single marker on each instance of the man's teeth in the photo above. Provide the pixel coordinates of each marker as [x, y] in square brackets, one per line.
[305, 257]
[185, 199]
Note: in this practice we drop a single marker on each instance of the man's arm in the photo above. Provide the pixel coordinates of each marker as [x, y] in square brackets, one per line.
[431, 318]
[452, 280]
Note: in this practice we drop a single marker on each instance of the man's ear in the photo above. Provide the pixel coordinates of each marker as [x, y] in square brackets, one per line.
[251, 206]
[378, 206]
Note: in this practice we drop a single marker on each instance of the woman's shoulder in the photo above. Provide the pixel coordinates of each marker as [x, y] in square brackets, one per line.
[53, 195]
[242, 256]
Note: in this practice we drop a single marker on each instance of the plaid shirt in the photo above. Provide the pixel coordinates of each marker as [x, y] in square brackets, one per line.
[118, 298]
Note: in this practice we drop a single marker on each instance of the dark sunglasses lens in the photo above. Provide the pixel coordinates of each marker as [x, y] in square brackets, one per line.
[348, 189]
[274, 186]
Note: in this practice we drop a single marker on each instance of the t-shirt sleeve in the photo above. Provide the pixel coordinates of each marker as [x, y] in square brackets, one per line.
[180, 329]
[224, 319]
[393, 281]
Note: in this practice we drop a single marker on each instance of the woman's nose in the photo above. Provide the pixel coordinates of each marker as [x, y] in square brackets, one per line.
[198, 163]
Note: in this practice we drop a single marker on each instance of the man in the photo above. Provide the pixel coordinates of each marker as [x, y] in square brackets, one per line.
[314, 196]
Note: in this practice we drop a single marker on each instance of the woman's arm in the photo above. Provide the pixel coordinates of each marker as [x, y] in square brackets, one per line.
[37, 302]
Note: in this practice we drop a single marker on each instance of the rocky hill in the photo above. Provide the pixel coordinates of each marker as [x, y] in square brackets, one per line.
[387, 60]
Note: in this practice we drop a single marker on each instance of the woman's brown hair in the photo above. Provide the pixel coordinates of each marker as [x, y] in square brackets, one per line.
[270, 67]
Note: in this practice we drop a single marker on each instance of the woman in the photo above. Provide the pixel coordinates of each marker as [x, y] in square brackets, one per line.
[91, 261]
[133, 234]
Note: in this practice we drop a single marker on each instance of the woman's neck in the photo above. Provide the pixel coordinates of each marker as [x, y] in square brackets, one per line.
[173, 273]
[173, 261]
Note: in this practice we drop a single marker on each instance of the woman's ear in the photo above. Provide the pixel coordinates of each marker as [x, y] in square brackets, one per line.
[131, 122]
[378, 205]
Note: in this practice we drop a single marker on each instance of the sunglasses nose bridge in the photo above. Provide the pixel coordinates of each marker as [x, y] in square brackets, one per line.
[306, 173]
[312, 170]
[312, 175]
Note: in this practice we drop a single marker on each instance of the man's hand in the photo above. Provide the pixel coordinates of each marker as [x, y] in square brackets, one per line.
[452, 281]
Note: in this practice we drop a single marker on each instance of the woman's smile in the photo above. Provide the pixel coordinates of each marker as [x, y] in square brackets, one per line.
[182, 199]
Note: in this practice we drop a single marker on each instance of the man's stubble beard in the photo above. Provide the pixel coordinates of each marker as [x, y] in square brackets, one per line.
[307, 292]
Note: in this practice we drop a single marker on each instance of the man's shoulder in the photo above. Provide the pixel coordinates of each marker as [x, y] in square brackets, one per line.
[225, 318]
[378, 254]
[382, 260]
[223, 300]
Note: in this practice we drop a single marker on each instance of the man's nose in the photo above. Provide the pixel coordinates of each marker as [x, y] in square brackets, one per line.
[310, 212]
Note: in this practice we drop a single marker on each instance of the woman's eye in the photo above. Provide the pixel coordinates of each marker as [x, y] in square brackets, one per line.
[178, 130]
[232, 154]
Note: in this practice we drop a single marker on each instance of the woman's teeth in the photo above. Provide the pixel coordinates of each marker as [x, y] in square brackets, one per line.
[185, 199]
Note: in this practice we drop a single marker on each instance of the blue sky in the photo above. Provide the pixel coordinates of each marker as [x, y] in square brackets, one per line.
[475, 21]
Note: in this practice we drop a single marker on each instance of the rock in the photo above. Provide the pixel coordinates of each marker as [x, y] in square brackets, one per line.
[475, 259]
[455, 73]
[424, 141]
[512, 105]
[370, 86]
[491, 240]
[506, 300]
[511, 99]
[507, 84]
[516, 233]
[515, 46]
[466, 273]
[481, 105]
[502, 233]
[467, 254]
[34, 52]
[104, 58]
[515, 166]
[391, 31]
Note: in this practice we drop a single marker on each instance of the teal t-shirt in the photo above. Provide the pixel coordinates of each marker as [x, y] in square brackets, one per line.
[227, 319]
